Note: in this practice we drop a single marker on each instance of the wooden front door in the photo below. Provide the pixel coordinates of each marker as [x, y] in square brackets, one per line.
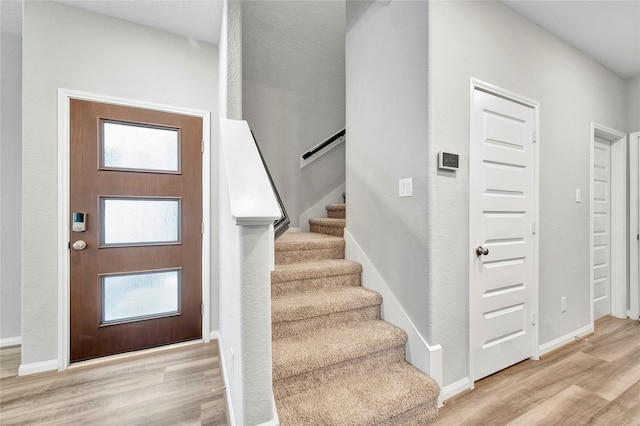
[136, 237]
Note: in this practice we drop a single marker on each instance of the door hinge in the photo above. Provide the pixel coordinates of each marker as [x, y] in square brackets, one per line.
[202, 146]
[534, 229]
[202, 228]
[202, 310]
[533, 318]
[69, 245]
[534, 139]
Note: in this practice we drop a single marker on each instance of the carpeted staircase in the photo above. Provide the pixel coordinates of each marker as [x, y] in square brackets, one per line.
[334, 361]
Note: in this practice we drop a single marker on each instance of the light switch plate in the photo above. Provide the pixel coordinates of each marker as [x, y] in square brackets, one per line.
[405, 187]
[578, 195]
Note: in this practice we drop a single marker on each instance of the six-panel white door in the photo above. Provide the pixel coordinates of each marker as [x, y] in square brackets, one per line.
[501, 219]
[601, 227]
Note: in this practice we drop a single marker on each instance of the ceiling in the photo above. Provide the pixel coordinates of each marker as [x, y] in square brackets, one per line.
[196, 19]
[608, 30]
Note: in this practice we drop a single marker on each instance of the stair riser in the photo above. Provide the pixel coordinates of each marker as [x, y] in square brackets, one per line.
[336, 214]
[292, 328]
[418, 416]
[309, 255]
[313, 284]
[300, 382]
[338, 231]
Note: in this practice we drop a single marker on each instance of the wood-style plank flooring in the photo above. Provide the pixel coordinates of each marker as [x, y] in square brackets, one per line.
[589, 382]
[174, 386]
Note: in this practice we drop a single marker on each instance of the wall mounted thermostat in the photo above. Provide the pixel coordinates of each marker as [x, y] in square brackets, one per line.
[447, 161]
[79, 222]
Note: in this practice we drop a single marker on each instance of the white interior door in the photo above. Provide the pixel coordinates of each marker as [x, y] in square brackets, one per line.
[502, 211]
[601, 227]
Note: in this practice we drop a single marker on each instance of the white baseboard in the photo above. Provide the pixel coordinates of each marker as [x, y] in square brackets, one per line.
[427, 358]
[319, 208]
[214, 335]
[563, 340]
[37, 367]
[275, 421]
[455, 388]
[227, 390]
[10, 341]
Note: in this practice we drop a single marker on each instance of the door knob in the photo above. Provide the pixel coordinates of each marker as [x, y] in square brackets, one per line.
[481, 250]
[79, 245]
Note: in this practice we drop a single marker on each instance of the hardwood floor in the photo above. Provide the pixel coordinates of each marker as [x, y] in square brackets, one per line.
[589, 382]
[176, 386]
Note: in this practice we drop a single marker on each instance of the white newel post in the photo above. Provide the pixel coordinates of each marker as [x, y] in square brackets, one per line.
[255, 277]
[248, 209]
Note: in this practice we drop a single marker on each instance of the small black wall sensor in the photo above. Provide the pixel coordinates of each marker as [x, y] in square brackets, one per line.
[447, 161]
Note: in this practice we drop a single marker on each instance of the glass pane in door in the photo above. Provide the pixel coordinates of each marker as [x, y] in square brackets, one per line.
[139, 147]
[140, 221]
[142, 295]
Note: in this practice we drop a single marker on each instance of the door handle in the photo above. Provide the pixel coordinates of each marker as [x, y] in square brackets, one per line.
[481, 251]
[79, 245]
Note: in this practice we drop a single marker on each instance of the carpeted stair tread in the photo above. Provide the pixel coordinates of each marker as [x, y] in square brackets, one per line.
[321, 348]
[317, 269]
[336, 211]
[295, 307]
[396, 393]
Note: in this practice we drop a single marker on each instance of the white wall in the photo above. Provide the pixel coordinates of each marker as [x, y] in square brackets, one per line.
[488, 41]
[408, 69]
[293, 90]
[230, 106]
[386, 108]
[10, 187]
[65, 47]
[633, 104]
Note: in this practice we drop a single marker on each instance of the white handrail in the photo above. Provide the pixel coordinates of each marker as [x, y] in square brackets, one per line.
[251, 196]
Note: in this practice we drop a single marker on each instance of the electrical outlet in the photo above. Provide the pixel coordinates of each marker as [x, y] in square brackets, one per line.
[563, 304]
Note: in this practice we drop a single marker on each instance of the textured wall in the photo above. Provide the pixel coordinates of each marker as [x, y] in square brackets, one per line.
[10, 187]
[488, 41]
[633, 104]
[398, 123]
[386, 83]
[65, 47]
[293, 93]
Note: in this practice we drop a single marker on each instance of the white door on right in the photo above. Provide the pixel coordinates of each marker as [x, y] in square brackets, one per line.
[601, 227]
[502, 211]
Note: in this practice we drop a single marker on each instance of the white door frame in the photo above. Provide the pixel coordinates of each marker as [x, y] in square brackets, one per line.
[618, 243]
[634, 207]
[535, 258]
[64, 216]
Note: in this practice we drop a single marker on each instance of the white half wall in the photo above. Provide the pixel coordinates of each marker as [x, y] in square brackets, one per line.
[65, 47]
